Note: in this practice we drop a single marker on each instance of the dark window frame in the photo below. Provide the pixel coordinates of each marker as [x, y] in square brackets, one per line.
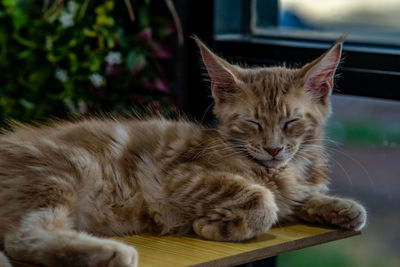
[371, 70]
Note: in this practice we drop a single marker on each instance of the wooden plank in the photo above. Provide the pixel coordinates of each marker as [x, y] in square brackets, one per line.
[176, 251]
[186, 251]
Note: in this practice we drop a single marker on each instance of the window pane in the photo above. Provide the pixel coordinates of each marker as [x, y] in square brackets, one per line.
[376, 21]
[228, 16]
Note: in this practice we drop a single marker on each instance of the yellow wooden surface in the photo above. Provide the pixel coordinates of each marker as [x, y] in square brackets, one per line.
[187, 251]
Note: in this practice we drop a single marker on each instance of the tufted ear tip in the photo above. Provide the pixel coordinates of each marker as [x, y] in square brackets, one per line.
[199, 43]
[320, 73]
[340, 40]
[222, 74]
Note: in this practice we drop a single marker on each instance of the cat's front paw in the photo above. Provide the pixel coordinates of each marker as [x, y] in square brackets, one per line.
[220, 226]
[345, 213]
[114, 254]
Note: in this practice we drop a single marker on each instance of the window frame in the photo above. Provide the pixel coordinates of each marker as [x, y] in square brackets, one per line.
[367, 69]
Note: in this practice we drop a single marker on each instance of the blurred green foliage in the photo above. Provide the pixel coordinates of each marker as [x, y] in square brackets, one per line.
[344, 253]
[364, 132]
[61, 56]
[315, 257]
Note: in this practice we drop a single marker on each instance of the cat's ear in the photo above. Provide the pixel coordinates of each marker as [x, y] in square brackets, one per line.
[223, 75]
[319, 74]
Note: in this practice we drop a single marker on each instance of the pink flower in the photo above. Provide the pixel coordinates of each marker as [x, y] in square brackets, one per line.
[161, 51]
[145, 35]
[138, 69]
[171, 27]
[155, 105]
[138, 99]
[136, 62]
[161, 85]
[148, 84]
[112, 69]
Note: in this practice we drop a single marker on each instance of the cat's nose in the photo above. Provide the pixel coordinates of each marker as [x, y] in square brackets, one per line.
[273, 151]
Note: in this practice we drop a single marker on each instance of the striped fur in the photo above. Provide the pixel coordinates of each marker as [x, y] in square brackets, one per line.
[63, 185]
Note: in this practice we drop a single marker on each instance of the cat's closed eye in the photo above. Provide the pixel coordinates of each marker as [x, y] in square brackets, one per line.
[288, 123]
[256, 124]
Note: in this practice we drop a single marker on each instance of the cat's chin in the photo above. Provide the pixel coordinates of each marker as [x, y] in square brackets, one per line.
[274, 163]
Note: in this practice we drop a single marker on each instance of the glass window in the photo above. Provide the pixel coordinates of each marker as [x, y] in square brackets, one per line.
[375, 21]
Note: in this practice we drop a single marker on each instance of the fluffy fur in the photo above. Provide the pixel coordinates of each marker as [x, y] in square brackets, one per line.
[64, 188]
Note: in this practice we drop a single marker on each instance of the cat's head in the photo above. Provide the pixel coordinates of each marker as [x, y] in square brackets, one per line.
[273, 114]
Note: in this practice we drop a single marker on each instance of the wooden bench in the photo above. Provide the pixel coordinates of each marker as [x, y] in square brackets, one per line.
[187, 251]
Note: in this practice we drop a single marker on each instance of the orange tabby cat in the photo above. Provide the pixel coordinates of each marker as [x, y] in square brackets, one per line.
[65, 187]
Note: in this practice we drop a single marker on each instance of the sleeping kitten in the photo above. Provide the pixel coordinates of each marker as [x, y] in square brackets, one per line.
[64, 188]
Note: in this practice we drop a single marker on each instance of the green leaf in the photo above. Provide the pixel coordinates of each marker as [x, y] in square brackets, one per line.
[20, 18]
[37, 79]
[73, 42]
[144, 17]
[24, 54]
[52, 58]
[8, 2]
[109, 5]
[135, 61]
[89, 33]
[73, 61]
[24, 41]
[95, 63]
[130, 60]
[26, 104]
[110, 42]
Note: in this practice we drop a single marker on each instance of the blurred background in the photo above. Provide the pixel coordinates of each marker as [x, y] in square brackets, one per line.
[62, 58]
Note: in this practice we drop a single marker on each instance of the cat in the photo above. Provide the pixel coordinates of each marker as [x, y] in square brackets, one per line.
[66, 187]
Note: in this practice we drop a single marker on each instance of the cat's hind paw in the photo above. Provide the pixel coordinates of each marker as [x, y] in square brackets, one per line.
[345, 213]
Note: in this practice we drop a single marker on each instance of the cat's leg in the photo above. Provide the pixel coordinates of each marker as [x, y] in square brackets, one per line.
[46, 237]
[227, 206]
[4, 262]
[342, 212]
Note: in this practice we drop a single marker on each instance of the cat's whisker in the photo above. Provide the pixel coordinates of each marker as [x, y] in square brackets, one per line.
[301, 156]
[357, 162]
[324, 140]
[342, 168]
[336, 150]
[205, 113]
[315, 147]
[233, 155]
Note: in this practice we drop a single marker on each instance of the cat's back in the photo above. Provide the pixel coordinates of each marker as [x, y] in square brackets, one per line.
[97, 134]
[125, 144]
